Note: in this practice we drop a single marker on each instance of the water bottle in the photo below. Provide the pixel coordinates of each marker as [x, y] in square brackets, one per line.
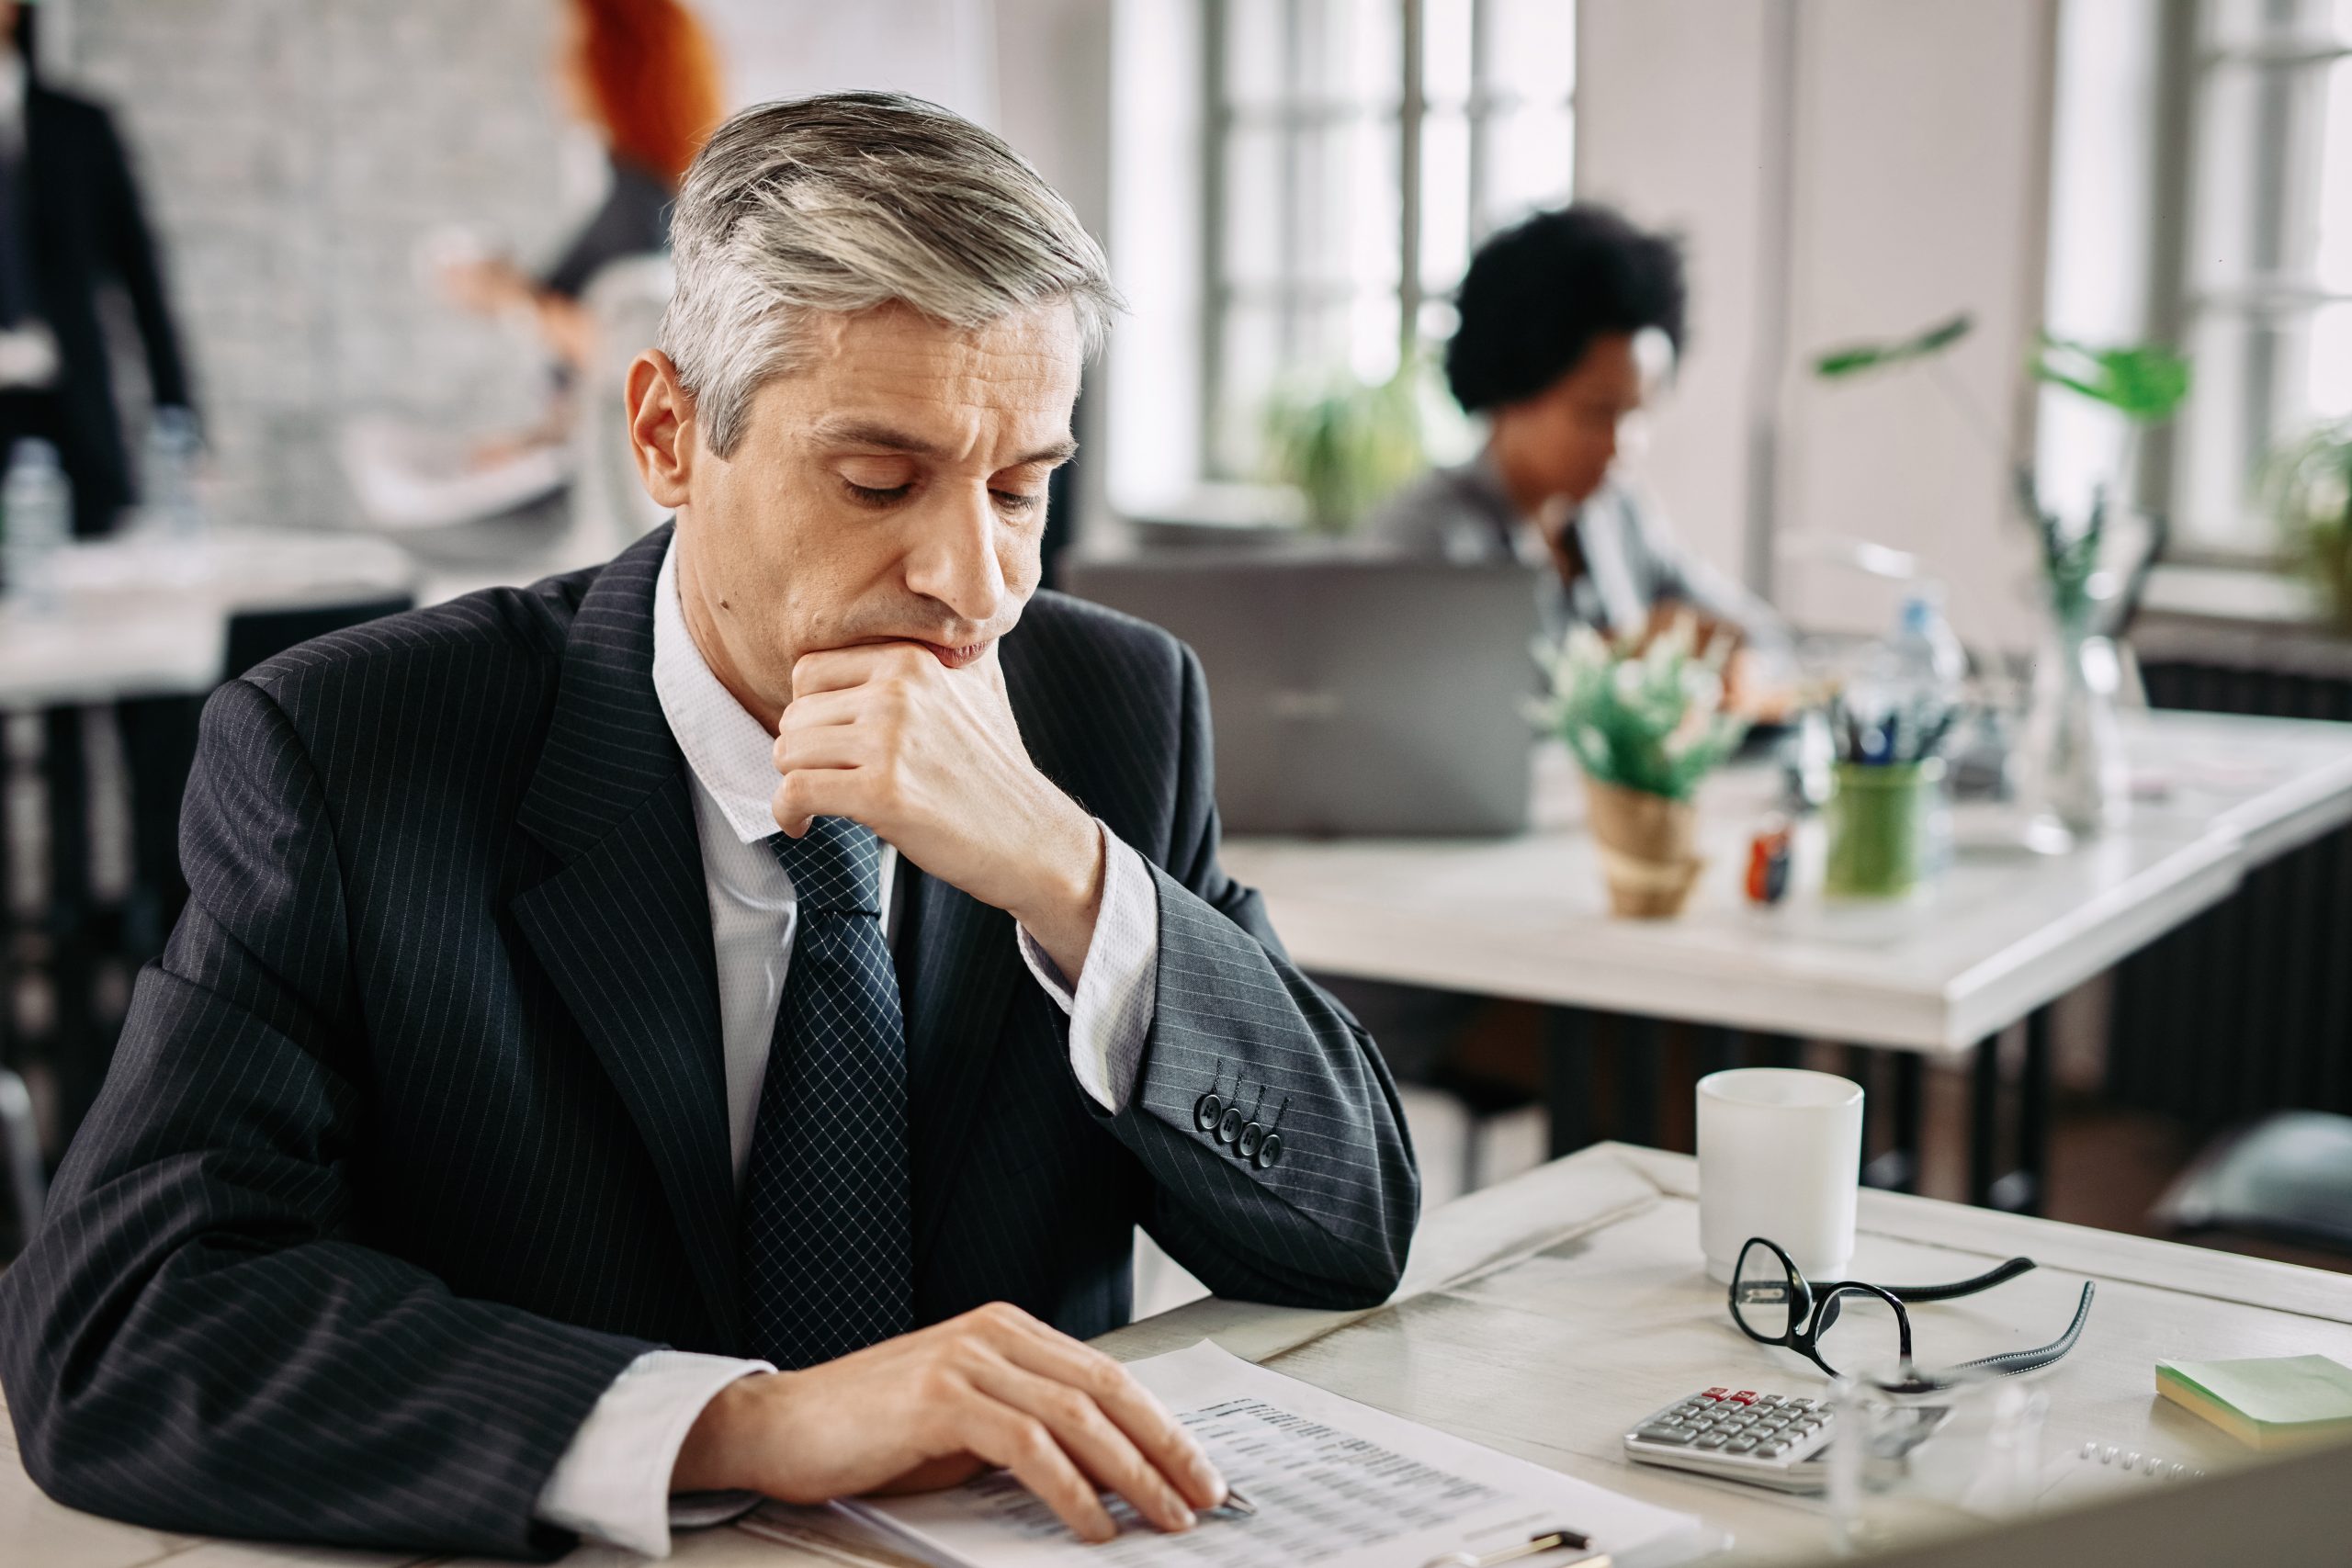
[1926, 646]
[171, 506]
[36, 520]
[1910, 685]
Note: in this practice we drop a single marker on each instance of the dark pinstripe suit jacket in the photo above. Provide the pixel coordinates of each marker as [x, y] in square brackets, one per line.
[416, 1135]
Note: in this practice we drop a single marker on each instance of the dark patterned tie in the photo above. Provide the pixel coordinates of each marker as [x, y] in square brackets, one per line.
[828, 1242]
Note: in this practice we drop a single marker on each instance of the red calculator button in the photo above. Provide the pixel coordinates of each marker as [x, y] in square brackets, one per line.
[1745, 1396]
[1716, 1393]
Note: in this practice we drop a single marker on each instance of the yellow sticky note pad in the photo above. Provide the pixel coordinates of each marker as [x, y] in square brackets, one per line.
[2265, 1401]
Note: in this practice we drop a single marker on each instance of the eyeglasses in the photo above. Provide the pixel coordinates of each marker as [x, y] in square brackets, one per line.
[1865, 1325]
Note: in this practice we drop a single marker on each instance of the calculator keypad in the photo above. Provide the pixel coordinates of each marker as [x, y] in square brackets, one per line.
[1735, 1433]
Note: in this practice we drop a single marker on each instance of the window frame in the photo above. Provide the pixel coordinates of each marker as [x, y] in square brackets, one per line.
[2191, 57]
[1407, 113]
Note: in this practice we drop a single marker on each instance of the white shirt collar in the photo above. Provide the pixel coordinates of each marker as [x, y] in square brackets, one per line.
[732, 757]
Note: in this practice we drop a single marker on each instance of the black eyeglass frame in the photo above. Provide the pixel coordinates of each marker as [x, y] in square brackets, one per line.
[1814, 1308]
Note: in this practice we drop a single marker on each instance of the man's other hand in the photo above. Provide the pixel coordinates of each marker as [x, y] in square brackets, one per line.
[930, 757]
[994, 1387]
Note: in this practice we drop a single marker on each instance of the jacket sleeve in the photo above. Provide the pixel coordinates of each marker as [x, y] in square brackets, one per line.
[1317, 1206]
[200, 1339]
[132, 252]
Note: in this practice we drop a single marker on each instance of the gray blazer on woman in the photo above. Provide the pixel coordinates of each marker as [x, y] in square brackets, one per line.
[1631, 560]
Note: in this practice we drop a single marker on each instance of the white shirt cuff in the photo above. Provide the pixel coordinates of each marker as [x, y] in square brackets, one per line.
[613, 1484]
[1111, 1011]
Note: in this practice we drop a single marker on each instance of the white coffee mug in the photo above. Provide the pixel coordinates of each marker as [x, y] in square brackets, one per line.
[1780, 1157]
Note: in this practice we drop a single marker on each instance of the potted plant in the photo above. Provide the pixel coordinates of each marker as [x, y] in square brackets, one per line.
[1345, 443]
[2073, 766]
[1646, 726]
[2310, 485]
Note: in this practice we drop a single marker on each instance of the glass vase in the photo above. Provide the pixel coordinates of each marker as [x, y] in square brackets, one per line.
[2072, 767]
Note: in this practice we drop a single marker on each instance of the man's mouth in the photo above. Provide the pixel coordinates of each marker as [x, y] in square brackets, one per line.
[956, 658]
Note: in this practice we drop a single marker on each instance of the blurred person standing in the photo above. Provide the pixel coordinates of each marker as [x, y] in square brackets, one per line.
[642, 75]
[71, 222]
[1570, 321]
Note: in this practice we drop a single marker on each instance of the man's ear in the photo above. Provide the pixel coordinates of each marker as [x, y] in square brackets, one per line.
[661, 433]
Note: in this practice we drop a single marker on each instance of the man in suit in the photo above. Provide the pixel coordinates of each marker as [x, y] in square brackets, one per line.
[71, 222]
[523, 1138]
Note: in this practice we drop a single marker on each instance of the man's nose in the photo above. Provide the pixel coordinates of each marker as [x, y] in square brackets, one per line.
[957, 563]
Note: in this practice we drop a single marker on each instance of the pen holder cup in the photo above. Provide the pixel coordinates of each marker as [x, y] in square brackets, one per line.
[1882, 822]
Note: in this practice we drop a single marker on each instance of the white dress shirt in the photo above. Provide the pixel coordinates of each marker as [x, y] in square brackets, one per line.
[13, 77]
[612, 1483]
[28, 349]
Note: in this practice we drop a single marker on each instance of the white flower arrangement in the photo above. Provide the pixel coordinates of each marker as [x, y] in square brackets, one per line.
[1650, 720]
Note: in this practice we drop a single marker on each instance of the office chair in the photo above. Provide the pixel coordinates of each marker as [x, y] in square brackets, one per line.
[2286, 1177]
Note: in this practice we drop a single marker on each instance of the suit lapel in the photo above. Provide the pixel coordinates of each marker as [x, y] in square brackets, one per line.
[623, 930]
[958, 965]
[960, 960]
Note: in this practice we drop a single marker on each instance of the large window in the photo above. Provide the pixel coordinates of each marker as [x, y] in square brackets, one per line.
[2267, 260]
[1357, 150]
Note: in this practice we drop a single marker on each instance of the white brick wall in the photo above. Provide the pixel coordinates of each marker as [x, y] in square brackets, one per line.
[293, 152]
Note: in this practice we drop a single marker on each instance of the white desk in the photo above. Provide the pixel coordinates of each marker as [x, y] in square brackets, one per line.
[1996, 941]
[1543, 1315]
[143, 618]
[1999, 936]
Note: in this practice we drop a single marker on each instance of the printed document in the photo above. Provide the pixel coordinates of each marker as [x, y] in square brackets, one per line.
[1336, 1484]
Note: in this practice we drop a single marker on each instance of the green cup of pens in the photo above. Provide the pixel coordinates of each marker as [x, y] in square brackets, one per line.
[1887, 798]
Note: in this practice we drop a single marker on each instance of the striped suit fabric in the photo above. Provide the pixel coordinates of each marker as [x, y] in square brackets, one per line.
[416, 1135]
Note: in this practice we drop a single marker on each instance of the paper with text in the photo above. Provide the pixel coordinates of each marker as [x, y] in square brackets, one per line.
[1336, 1484]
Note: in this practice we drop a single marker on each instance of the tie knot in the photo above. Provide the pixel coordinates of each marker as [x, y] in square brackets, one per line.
[836, 867]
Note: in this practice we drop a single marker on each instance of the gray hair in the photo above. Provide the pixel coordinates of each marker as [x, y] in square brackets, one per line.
[846, 201]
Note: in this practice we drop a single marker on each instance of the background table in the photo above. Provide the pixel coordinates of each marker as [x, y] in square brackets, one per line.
[138, 617]
[1996, 941]
[1543, 1315]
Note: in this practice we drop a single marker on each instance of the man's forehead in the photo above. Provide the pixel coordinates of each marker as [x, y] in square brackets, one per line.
[893, 370]
[893, 344]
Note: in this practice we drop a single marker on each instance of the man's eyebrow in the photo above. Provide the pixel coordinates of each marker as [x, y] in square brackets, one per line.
[889, 438]
[1057, 454]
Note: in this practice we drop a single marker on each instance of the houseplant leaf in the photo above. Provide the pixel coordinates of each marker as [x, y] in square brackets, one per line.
[1856, 358]
[2144, 382]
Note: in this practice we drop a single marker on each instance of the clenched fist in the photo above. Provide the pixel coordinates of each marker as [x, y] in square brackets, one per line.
[924, 751]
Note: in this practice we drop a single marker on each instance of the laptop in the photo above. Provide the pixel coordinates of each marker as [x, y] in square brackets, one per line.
[1350, 693]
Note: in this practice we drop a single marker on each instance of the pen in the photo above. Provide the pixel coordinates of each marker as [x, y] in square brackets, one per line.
[1235, 1503]
[1547, 1541]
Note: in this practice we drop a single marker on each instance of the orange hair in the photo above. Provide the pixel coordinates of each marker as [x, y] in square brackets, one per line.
[654, 80]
